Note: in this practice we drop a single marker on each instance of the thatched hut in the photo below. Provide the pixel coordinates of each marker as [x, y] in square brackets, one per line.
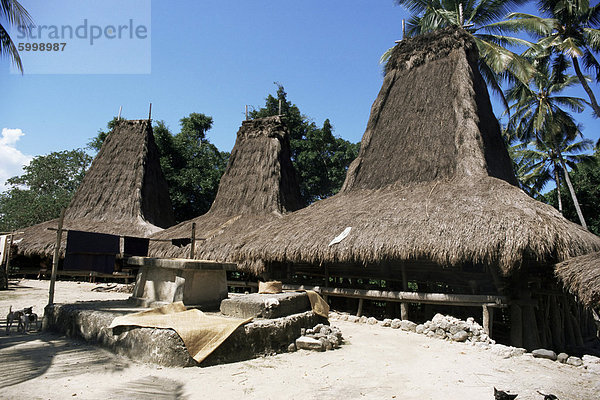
[258, 186]
[431, 201]
[581, 276]
[123, 193]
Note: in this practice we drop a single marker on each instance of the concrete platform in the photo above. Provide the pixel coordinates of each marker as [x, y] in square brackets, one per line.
[89, 321]
[257, 305]
[197, 283]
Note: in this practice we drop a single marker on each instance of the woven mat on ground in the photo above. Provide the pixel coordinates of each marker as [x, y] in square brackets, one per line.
[200, 333]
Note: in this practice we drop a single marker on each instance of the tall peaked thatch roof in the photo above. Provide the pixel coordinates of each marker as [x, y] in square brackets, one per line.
[581, 275]
[124, 192]
[433, 181]
[259, 185]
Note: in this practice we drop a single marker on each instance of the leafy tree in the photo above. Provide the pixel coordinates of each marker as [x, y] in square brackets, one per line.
[46, 187]
[477, 17]
[586, 180]
[320, 159]
[570, 30]
[539, 117]
[15, 15]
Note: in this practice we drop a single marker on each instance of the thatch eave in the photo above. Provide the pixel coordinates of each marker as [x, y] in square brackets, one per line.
[581, 276]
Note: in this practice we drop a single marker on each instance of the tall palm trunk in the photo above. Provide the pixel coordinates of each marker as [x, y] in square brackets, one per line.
[557, 180]
[586, 87]
[570, 186]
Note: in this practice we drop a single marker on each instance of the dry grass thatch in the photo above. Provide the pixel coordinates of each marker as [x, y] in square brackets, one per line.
[581, 276]
[124, 192]
[259, 185]
[433, 180]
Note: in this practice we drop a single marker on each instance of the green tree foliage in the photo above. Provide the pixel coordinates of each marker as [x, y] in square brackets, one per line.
[320, 159]
[14, 14]
[192, 165]
[47, 185]
[586, 180]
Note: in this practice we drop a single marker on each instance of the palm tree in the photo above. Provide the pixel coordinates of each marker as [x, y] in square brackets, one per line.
[539, 118]
[473, 16]
[16, 15]
[569, 30]
[538, 163]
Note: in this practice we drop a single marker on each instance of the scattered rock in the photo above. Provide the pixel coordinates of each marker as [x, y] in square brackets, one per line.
[353, 318]
[396, 323]
[507, 351]
[363, 320]
[386, 322]
[460, 336]
[308, 343]
[407, 325]
[372, 321]
[574, 361]
[562, 358]
[292, 347]
[420, 329]
[543, 353]
[588, 359]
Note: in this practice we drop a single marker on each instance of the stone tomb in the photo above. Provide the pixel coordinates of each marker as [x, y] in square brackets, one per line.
[197, 283]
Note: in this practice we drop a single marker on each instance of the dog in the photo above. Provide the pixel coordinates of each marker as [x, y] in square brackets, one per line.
[13, 316]
[28, 318]
[502, 395]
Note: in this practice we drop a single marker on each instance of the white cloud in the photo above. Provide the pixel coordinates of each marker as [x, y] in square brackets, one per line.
[11, 159]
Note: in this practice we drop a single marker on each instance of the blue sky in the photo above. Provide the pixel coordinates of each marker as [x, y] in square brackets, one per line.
[212, 57]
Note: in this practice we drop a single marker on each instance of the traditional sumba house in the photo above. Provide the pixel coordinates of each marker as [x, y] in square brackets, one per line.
[581, 276]
[258, 186]
[431, 205]
[123, 193]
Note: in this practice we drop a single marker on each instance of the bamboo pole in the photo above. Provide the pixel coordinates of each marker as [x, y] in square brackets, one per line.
[7, 249]
[56, 256]
[403, 305]
[360, 307]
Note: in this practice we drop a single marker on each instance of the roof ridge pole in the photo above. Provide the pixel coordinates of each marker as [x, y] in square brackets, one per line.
[119, 116]
[460, 15]
[193, 244]
[150, 113]
[403, 29]
[56, 256]
[246, 112]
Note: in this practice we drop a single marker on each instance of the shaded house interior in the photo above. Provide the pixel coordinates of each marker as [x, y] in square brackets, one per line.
[124, 192]
[433, 206]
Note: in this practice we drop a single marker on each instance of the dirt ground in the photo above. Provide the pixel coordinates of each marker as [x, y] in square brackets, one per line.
[374, 363]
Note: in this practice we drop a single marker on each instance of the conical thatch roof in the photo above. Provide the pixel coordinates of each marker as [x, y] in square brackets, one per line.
[124, 192]
[433, 181]
[258, 186]
[581, 275]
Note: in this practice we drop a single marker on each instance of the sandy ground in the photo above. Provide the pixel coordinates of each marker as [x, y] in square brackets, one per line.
[374, 363]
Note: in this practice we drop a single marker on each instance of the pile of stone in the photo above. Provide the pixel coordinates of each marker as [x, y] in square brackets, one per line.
[320, 338]
[441, 326]
[587, 361]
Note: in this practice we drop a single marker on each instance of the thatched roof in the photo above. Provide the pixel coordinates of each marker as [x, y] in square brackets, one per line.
[581, 276]
[124, 192]
[433, 180]
[258, 186]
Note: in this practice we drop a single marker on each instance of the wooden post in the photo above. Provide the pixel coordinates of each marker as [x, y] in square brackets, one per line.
[193, 244]
[460, 15]
[150, 112]
[7, 249]
[360, 307]
[403, 305]
[403, 29]
[246, 112]
[516, 326]
[279, 106]
[486, 319]
[56, 257]
[120, 108]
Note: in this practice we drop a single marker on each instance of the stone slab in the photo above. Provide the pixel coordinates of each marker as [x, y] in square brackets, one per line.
[257, 305]
[89, 321]
[156, 286]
